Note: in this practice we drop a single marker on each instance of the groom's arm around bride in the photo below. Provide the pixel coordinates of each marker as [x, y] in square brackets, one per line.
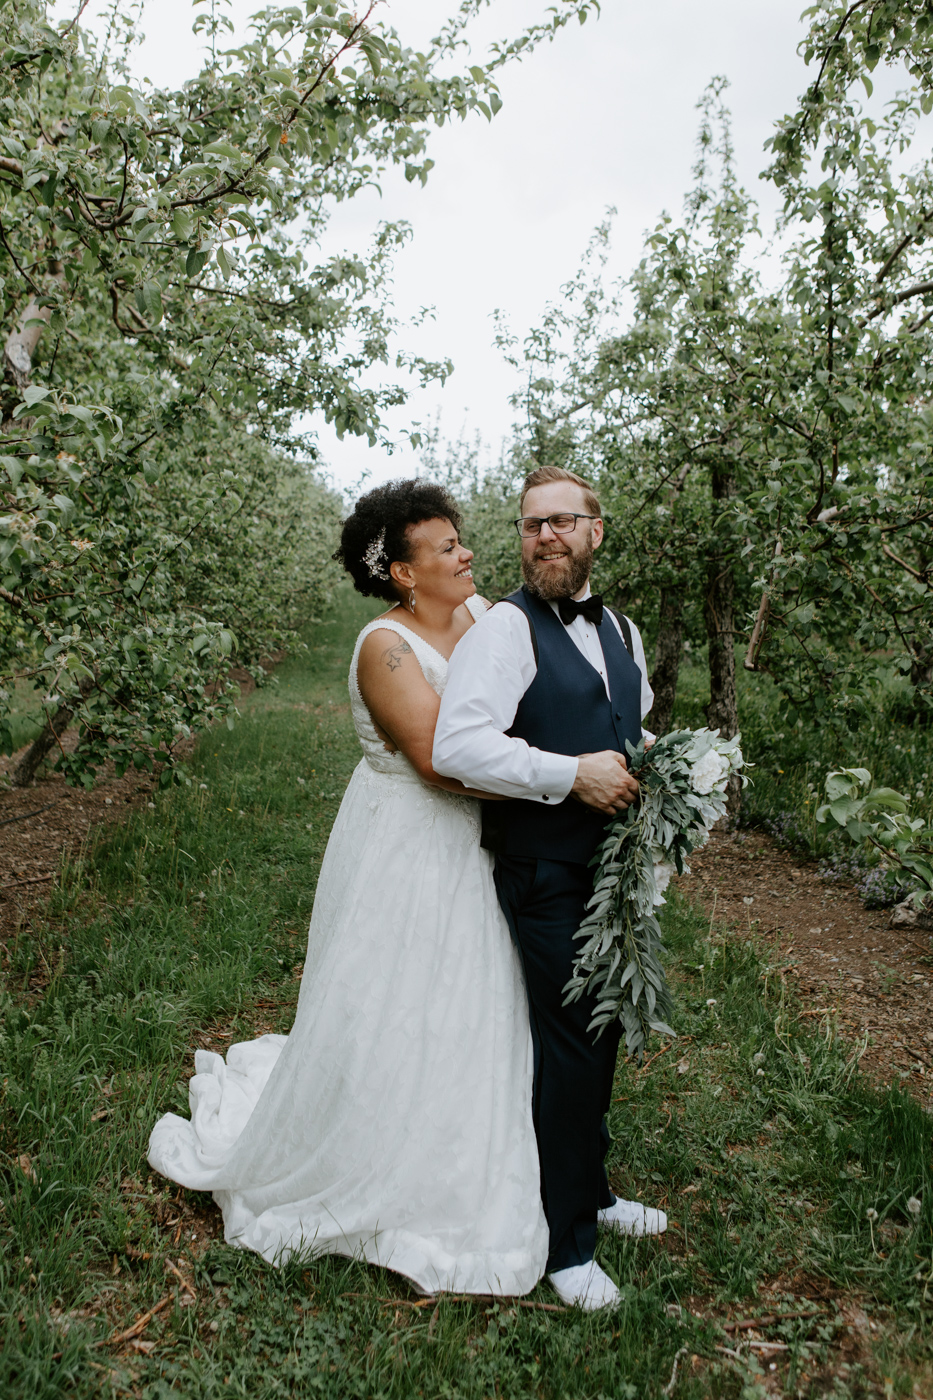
[542, 695]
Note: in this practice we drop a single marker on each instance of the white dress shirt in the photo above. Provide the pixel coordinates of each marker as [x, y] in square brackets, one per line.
[492, 666]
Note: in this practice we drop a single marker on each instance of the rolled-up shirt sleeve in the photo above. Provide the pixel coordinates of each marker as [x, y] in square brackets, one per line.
[492, 666]
[647, 694]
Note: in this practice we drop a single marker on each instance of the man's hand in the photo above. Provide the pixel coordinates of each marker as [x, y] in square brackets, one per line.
[604, 782]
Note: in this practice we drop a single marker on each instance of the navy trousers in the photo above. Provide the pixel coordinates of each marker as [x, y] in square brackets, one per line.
[543, 902]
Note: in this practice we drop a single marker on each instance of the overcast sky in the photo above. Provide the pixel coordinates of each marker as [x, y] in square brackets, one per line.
[605, 115]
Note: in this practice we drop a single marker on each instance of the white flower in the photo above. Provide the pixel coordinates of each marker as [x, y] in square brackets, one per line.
[708, 770]
[914, 1206]
[663, 870]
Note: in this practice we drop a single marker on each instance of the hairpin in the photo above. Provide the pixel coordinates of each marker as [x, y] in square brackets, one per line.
[374, 557]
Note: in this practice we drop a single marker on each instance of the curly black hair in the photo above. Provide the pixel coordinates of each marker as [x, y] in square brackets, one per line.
[394, 508]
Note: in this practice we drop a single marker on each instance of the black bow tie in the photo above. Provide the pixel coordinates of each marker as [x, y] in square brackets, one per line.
[591, 609]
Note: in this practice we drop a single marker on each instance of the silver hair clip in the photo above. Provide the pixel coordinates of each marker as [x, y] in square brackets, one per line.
[374, 557]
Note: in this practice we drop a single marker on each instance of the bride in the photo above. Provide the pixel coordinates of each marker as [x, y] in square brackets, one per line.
[394, 1123]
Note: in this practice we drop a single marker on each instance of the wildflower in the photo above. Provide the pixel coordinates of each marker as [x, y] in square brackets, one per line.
[202, 786]
[871, 1214]
[914, 1206]
[757, 1059]
[710, 1001]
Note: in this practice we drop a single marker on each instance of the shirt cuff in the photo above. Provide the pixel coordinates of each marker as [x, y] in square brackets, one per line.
[557, 774]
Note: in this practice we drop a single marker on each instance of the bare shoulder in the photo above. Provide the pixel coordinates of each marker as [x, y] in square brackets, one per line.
[384, 647]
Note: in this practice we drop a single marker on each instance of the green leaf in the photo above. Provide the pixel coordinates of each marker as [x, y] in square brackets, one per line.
[35, 393]
[194, 263]
[152, 302]
[223, 262]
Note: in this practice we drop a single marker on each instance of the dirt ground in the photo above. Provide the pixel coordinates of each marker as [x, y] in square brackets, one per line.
[844, 961]
[41, 822]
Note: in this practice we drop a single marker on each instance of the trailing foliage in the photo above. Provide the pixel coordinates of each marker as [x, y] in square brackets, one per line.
[683, 779]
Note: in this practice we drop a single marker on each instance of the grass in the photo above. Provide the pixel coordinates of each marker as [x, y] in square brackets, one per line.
[754, 1129]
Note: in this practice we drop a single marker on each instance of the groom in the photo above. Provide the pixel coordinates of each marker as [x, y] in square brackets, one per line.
[546, 673]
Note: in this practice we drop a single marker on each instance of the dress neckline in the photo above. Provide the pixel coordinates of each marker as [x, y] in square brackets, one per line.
[384, 622]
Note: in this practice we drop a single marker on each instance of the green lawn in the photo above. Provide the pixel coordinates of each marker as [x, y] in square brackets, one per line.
[754, 1129]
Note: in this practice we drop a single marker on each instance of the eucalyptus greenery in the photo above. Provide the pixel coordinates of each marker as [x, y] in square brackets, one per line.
[683, 780]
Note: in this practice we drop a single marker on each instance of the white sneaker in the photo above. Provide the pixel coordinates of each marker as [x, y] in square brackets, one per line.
[585, 1286]
[632, 1218]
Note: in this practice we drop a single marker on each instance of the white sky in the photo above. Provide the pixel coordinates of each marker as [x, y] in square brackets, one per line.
[603, 116]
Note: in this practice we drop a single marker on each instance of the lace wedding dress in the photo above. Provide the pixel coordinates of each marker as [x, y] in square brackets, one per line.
[394, 1123]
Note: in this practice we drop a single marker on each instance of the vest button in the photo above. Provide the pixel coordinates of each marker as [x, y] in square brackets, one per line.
[618, 716]
[545, 798]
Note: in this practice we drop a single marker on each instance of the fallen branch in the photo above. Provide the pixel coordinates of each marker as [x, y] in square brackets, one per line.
[181, 1278]
[138, 1326]
[749, 1322]
[32, 880]
[669, 1388]
[24, 815]
[460, 1298]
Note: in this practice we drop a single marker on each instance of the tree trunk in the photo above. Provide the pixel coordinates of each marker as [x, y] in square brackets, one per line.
[666, 661]
[719, 615]
[51, 734]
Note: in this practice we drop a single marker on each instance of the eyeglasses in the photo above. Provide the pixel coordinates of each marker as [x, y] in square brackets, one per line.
[563, 524]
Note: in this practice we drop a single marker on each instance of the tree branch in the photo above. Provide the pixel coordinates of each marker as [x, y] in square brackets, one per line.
[919, 290]
[923, 577]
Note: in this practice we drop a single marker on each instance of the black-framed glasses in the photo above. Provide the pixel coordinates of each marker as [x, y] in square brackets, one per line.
[562, 524]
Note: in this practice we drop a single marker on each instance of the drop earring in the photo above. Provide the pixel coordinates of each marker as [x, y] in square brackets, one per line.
[411, 600]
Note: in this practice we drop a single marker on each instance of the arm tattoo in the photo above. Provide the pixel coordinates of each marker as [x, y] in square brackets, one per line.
[393, 655]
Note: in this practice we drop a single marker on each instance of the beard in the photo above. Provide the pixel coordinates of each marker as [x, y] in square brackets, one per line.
[561, 580]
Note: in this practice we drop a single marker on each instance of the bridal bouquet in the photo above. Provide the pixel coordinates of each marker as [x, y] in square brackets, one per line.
[683, 779]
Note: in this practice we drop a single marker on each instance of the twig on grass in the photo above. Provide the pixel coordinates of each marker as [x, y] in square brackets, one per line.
[749, 1322]
[458, 1298]
[663, 1051]
[139, 1325]
[669, 1388]
[181, 1278]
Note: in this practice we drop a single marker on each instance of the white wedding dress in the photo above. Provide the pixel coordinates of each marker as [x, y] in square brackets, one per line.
[394, 1123]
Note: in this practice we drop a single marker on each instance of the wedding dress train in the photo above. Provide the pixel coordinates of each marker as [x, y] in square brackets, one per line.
[394, 1123]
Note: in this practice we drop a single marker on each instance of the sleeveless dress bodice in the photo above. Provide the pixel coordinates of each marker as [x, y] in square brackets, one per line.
[434, 668]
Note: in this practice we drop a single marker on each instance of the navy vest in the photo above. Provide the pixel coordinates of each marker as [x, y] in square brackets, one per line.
[565, 710]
